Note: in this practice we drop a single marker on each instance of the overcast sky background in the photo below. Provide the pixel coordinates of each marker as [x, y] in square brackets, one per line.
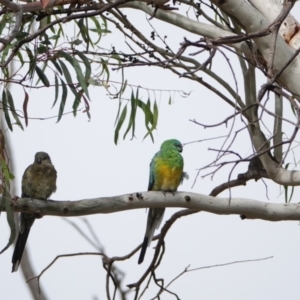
[90, 165]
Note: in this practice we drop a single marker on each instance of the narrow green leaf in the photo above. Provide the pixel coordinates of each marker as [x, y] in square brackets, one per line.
[32, 60]
[123, 87]
[155, 115]
[118, 113]
[88, 34]
[2, 24]
[105, 69]
[12, 108]
[66, 56]
[56, 65]
[5, 108]
[292, 193]
[147, 112]
[42, 76]
[20, 57]
[68, 77]
[88, 69]
[56, 91]
[25, 104]
[120, 123]
[77, 102]
[74, 63]
[149, 109]
[80, 77]
[148, 116]
[58, 34]
[3, 56]
[63, 100]
[152, 119]
[133, 111]
[66, 72]
[104, 23]
[5, 52]
[131, 123]
[5, 71]
[98, 29]
[87, 106]
[29, 53]
[82, 30]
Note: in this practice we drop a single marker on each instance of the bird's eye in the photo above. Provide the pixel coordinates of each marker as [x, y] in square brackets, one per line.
[179, 147]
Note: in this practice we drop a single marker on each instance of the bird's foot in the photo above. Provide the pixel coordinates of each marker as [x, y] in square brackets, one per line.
[168, 191]
[38, 215]
[14, 199]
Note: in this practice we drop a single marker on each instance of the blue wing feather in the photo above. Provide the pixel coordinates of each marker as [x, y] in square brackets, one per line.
[151, 173]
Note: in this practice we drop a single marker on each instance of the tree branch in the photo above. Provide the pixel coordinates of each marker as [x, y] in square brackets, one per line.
[199, 28]
[253, 21]
[252, 208]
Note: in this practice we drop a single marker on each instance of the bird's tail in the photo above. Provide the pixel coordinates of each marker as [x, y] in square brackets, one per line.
[19, 249]
[155, 216]
[26, 223]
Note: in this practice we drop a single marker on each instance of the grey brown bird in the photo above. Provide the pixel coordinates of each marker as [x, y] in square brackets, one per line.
[38, 182]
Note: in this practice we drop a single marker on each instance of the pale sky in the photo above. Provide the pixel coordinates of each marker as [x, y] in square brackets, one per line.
[90, 165]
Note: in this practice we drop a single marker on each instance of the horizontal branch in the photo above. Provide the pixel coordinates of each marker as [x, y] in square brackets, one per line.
[253, 209]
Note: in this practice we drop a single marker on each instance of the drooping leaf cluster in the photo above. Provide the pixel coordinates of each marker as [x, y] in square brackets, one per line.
[67, 61]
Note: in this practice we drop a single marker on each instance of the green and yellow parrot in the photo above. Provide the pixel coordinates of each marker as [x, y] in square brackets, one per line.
[166, 173]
